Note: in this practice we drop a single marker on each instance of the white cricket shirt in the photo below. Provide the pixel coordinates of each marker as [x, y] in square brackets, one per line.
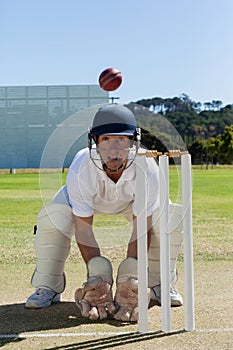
[90, 189]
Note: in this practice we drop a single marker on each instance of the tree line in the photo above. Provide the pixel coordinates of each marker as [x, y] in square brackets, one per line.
[206, 128]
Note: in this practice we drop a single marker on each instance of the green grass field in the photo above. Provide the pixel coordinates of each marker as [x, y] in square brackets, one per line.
[20, 200]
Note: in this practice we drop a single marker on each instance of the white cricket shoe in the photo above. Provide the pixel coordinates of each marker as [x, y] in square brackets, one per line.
[43, 297]
[176, 298]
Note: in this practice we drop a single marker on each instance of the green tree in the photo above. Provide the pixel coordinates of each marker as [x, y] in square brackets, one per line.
[196, 149]
[224, 146]
[191, 119]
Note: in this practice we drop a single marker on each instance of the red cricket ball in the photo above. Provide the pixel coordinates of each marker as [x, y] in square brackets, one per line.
[110, 79]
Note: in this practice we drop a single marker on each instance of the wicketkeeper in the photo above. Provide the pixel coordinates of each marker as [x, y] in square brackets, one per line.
[101, 179]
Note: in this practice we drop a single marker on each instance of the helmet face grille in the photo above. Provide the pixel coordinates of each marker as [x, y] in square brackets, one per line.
[101, 163]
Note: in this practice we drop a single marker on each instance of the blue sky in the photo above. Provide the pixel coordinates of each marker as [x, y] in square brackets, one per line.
[163, 48]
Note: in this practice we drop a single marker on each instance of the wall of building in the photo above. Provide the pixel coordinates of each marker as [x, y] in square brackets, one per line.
[30, 115]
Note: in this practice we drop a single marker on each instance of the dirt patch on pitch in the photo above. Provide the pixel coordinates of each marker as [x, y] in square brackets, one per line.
[61, 327]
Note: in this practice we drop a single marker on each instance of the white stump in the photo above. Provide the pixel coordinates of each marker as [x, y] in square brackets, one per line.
[141, 193]
[164, 242]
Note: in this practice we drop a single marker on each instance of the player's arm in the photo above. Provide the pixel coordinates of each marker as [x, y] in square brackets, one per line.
[126, 298]
[94, 298]
[132, 246]
[85, 238]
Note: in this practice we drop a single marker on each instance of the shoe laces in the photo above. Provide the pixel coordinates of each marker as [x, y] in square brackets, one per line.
[47, 292]
[173, 290]
[157, 290]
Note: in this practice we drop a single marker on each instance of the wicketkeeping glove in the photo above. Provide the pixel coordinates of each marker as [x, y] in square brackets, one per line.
[95, 298]
[126, 298]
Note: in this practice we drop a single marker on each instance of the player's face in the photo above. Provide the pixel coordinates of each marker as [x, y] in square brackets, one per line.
[113, 150]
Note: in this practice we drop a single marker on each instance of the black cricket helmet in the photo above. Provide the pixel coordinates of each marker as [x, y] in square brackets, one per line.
[113, 120]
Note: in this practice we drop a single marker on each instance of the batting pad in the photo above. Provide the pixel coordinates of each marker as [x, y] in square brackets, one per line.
[176, 238]
[57, 216]
[52, 246]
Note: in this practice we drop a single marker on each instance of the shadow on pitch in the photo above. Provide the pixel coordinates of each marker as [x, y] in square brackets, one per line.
[115, 341]
[16, 319]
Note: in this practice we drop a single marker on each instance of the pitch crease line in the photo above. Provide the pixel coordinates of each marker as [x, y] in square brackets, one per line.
[90, 334]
